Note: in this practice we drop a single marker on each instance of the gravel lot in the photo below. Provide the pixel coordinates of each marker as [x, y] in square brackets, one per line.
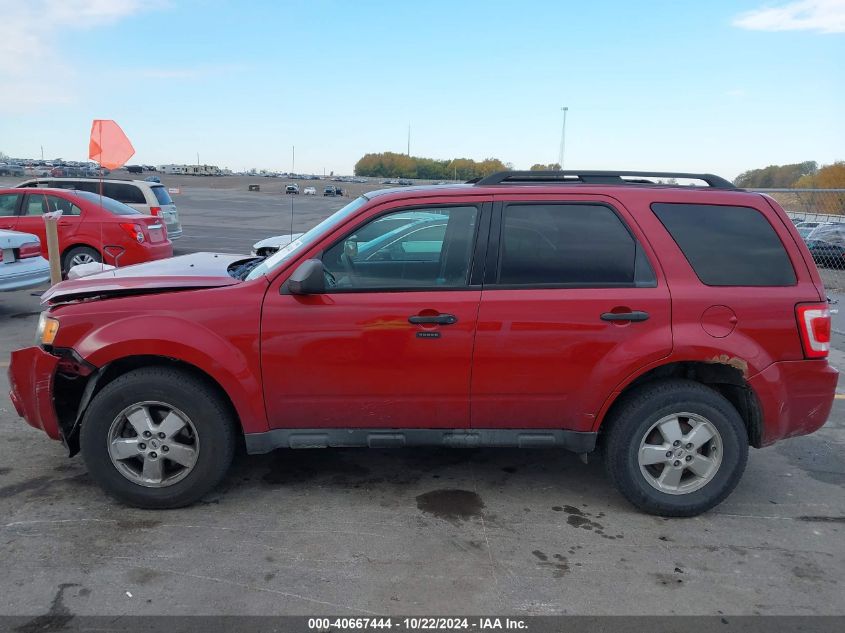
[407, 531]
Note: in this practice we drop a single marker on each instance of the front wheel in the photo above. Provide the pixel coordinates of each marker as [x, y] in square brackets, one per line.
[676, 448]
[157, 437]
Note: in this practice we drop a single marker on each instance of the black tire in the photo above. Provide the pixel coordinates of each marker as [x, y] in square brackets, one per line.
[632, 418]
[78, 251]
[202, 404]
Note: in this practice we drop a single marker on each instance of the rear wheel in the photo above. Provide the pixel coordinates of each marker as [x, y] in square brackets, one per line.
[675, 448]
[80, 255]
[157, 437]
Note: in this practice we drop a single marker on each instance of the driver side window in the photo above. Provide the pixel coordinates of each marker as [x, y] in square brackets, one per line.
[418, 249]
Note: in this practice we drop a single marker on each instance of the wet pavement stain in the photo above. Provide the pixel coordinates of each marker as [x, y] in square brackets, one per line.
[580, 519]
[668, 580]
[36, 483]
[137, 524]
[821, 519]
[452, 505]
[143, 576]
[56, 619]
[5, 471]
[561, 567]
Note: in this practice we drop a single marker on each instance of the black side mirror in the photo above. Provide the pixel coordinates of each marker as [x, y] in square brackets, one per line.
[308, 278]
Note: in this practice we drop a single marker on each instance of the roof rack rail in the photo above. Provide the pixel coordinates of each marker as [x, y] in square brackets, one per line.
[596, 178]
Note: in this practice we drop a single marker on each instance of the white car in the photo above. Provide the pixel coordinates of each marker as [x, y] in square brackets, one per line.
[267, 247]
[310, 191]
[21, 264]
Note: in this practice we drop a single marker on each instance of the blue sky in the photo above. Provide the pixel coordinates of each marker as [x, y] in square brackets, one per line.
[718, 86]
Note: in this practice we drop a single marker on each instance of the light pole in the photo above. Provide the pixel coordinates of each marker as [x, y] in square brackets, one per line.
[564, 109]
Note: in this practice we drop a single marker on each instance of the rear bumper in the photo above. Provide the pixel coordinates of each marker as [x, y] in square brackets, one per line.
[31, 375]
[147, 252]
[795, 396]
[24, 273]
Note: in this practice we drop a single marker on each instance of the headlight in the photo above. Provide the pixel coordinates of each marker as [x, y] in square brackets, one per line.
[48, 327]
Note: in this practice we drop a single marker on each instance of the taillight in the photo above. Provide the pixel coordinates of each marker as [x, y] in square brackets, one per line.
[155, 210]
[134, 231]
[814, 326]
[30, 249]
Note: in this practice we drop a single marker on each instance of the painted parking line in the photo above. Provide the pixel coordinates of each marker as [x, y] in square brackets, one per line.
[4, 363]
[840, 396]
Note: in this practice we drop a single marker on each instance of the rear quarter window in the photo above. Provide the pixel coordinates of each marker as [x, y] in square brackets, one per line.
[161, 195]
[727, 245]
[126, 193]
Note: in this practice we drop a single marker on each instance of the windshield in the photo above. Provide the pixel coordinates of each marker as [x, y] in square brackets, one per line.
[308, 238]
[109, 204]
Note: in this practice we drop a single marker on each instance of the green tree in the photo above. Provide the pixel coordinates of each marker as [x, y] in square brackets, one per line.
[776, 176]
[393, 165]
[542, 167]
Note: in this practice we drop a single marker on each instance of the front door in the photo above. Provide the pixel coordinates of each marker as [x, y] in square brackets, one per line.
[571, 306]
[389, 345]
[8, 209]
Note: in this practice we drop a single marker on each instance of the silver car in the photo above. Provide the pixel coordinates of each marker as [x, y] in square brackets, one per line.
[21, 264]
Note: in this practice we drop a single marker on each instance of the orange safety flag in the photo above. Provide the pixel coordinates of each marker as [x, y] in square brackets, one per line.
[109, 146]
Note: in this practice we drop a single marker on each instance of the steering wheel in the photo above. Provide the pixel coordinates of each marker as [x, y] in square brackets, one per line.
[331, 280]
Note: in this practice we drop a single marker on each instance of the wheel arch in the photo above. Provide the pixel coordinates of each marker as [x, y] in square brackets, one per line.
[726, 377]
[76, 396]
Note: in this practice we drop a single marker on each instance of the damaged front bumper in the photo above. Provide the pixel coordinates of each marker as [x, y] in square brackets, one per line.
[51, 390]
[32, 372]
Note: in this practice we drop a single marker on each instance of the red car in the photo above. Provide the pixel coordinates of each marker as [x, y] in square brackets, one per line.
[91, 228]
[672, 326]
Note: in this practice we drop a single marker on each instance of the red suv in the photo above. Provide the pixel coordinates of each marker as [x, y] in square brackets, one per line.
[671, 326]
[91, 228]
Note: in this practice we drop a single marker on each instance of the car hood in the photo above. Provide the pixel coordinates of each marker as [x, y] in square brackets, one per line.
[198, 270]
[277, 241]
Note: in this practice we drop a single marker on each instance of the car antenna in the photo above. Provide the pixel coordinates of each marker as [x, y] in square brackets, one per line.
[291, 217]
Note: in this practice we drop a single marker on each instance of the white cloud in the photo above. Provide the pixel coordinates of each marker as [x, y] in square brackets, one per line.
[30, 59]
[824, 16]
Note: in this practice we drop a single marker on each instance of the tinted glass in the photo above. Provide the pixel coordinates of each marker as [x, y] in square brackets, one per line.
[8, 203]
[727, 246]
[112, 206]
[54, 203]
[34, 204]
[405, 250]
[128, 194]
[162, 196]
[551, 244]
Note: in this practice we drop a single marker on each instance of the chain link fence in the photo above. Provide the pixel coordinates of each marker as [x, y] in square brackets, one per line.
[819, 215]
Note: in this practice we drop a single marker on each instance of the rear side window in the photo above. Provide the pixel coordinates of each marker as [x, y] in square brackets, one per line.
[112, 206]
[727, 246]
[127, 194]
[161, 195]
[566, 244]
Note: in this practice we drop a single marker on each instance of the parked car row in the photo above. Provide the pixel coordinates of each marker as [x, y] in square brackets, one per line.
[147, 197]
[91, 228]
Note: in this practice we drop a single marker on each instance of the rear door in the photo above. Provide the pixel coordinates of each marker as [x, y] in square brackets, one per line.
[572, 304]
